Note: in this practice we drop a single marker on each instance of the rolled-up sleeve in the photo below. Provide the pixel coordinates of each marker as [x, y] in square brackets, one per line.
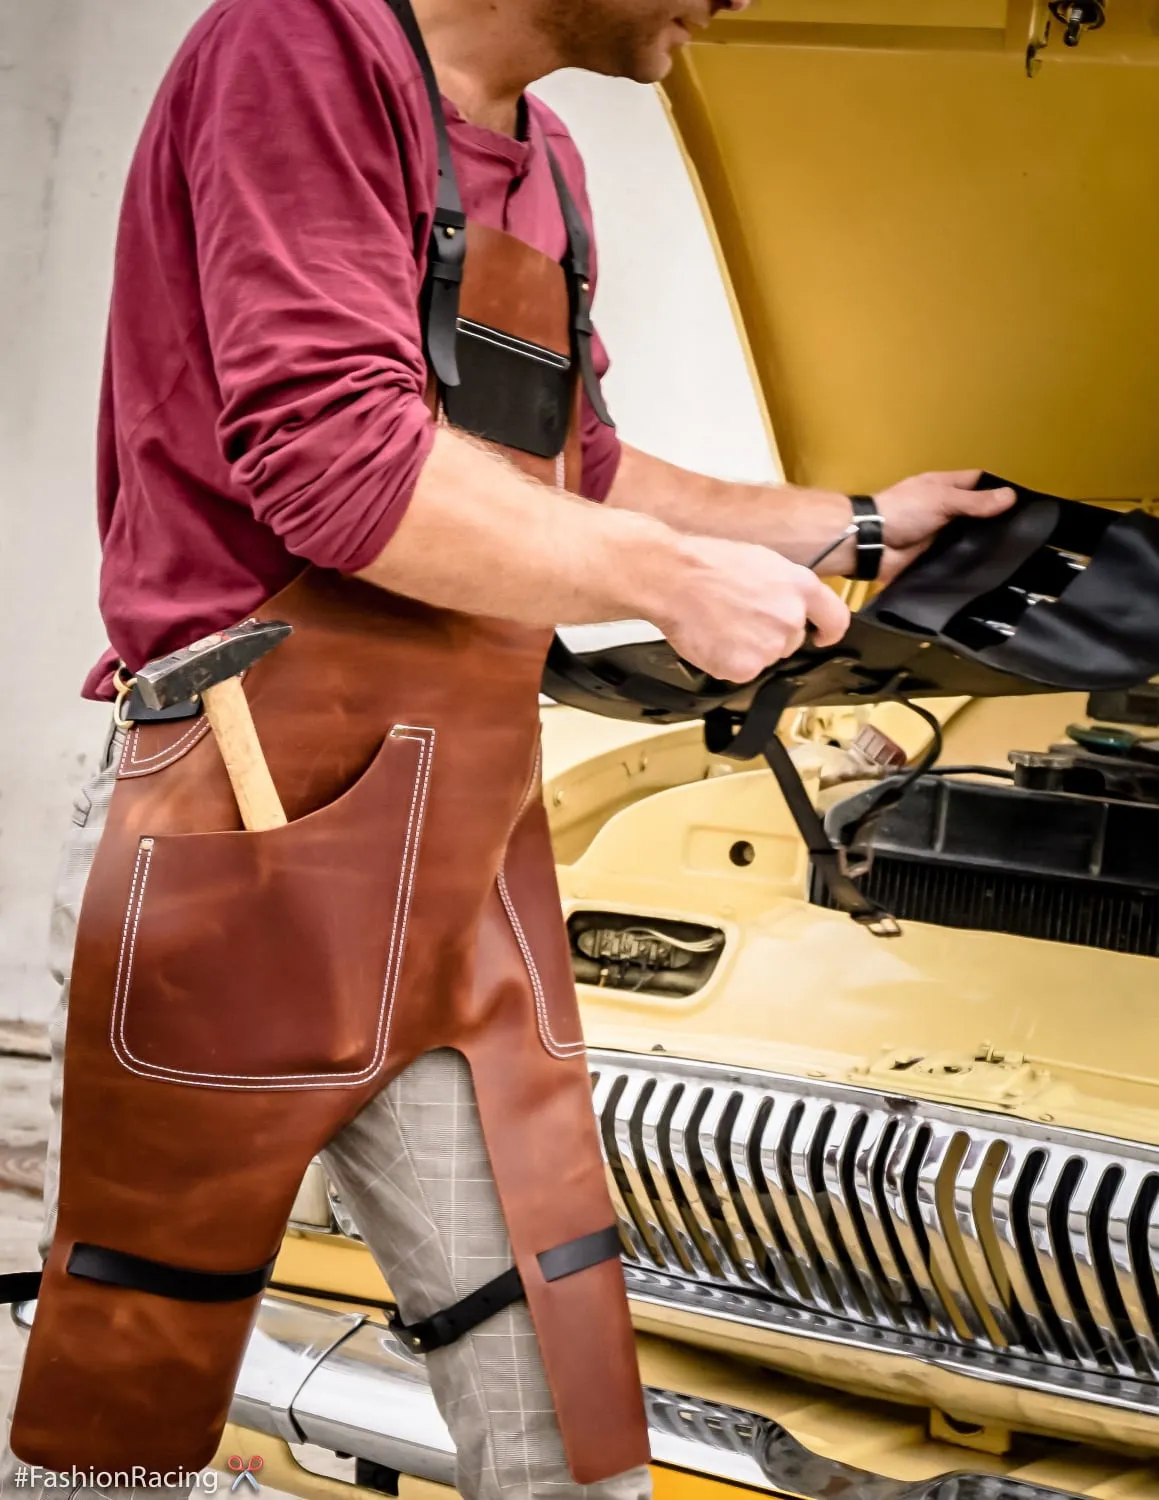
[293, 144]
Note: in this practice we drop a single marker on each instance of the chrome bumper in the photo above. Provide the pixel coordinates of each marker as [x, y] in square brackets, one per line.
[336, 1380]
[331, 1378]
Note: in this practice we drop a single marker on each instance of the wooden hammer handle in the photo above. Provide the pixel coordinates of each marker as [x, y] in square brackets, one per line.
[233, 727]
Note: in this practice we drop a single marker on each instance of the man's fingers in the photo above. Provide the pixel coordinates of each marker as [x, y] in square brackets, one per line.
[986, 502]
[828, 613]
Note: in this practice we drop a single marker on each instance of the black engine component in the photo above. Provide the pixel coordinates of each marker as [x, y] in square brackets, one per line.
[1131, 777]
[651, 955]
[1135, 705]
[1051, 861]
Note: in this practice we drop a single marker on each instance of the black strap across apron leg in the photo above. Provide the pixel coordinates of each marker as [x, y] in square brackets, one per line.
[445, 1327]
[134, 1272]
[117, 1268]
[20, 1286]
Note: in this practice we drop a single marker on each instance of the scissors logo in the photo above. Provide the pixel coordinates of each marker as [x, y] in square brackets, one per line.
[246, 1470]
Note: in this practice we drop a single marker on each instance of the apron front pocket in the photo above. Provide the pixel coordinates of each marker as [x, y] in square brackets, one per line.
[270, 960]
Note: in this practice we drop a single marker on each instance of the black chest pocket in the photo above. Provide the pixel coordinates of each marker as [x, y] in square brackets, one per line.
[510, 391]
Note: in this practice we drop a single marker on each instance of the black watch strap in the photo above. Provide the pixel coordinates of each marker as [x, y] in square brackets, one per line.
[870, 537]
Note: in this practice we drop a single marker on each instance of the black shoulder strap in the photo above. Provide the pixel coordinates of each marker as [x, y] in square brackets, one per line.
[448, 243]
[577, 264]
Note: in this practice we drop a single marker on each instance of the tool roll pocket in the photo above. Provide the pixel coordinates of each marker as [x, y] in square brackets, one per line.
[269, 960]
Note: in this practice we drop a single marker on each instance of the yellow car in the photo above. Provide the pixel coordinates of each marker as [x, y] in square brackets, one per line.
[889, 1208]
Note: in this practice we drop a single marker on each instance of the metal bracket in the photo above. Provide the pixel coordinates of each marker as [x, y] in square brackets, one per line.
[1077, 17]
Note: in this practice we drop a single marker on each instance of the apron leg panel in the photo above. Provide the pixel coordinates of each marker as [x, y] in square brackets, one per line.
[199, 1179]
[171, 1367]
[115, 1375]
[541, 1136]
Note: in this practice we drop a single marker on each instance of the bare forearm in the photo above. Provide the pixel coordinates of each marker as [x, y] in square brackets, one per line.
[482, 538]
[797, 523]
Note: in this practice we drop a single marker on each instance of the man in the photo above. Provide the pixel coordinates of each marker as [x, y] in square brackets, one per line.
[318, 407]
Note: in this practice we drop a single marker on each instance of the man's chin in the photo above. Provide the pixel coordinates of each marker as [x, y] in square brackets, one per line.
[657, 65]
[653, 69]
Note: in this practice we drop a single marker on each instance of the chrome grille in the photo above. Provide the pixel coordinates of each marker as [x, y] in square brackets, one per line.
[994, 1246]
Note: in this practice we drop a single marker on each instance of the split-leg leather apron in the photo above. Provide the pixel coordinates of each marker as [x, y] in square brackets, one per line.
[238, 996]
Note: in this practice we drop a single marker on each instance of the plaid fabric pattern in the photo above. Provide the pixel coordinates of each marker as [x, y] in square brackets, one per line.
[413, 1171]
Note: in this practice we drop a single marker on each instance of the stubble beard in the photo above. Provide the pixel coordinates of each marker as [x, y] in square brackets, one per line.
[599, 36]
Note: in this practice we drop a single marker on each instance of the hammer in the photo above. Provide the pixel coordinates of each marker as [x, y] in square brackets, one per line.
[211, 668]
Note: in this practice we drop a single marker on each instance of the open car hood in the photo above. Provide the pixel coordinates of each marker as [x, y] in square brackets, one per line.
[937, 260]
[938, 222]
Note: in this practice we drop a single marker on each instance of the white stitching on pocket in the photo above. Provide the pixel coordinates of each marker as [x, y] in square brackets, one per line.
[546, 1035]
[179, 747]
[426, 738]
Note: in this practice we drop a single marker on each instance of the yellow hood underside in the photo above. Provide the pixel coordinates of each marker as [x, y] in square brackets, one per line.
[939, 261]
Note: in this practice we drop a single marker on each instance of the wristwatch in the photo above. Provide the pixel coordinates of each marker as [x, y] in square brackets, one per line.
[870, 537]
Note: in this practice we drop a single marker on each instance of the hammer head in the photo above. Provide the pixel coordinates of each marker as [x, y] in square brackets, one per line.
[224, 654]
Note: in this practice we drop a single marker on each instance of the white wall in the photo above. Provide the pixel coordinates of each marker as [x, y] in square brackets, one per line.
[75, 81]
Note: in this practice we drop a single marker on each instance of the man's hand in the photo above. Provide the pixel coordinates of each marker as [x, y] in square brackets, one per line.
[734, 608]
[915, 510]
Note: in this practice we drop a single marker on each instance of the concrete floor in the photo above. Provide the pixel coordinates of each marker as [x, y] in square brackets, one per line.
[24, 1121]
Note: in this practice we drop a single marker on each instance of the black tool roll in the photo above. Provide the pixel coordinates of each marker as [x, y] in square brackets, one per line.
[1054, 591]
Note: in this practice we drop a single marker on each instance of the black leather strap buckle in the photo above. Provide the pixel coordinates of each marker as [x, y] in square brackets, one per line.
[870, 537]
[448, 249]
[449, 1325]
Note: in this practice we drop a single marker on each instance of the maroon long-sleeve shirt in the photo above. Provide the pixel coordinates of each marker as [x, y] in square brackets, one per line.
[262, 401]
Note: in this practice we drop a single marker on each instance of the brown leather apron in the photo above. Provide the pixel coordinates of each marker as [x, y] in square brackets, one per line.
[237, 997]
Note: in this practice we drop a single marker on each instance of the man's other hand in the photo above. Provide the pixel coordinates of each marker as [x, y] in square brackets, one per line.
[735, 608]
[915, 510]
